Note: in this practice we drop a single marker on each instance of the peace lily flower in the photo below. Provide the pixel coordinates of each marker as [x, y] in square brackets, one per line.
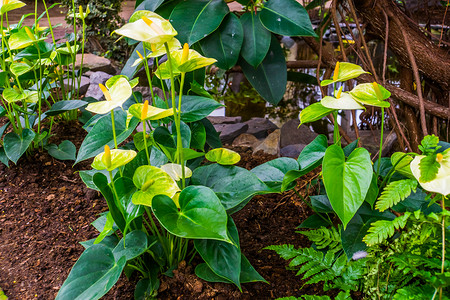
[157, 50]
[152, 181]
[344, 71]
[113, 159]
[147, 26]
[440, 184]
[8, 5]
[144, 111]
[116, 96]
[183, 61]
[341, 101]
[371, 94]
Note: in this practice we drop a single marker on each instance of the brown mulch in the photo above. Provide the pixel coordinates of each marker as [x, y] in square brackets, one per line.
[45, 211]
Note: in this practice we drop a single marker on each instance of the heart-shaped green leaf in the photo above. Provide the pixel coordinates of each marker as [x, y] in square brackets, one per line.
[346, 181]
[286, 17]
[19, 68]
[196, 19]
[352, 236]
[198, 136]
[273, 172]
[93, 275]
[270, 77]
[65, 151]
[200, 216]
[63, 106]
[13, 95]
[195, 108]
[256, 39]
[314, 112]
[125, 190]
[133, 245]
[10, 5]
[152, 181]
[15, 145]
[222, 257]
[225, 43]
[223, 156]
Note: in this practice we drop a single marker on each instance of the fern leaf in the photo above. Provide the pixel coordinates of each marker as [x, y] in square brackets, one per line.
[395, 192]
[343, 296]
[382, 229]
[415, 292]
[324, 237]
[285, 251]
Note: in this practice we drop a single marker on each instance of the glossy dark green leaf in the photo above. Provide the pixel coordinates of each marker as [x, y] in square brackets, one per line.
[65, 151]
[146, 288]
[301, 78]
[195, 19]
[150, 5]
[125, 189]
[272, 172]
[225, 43]
[129, 70]
[256, 39]
[185, 134]
[312, 222]
[63, 106]
[167, 7]
[2, 110]
[133, 245]
[222, 257]
[93, 275]
[270, 77]
[372, 193]
[321, 204]
[233, 185]
[15, 145]
[162, 136]
[198, 138]
[200, 216]
[312, 155]
[212, 136]
[3, 158]
[346, 181]
[109, 241]
[87, 177]
[101, 182]
[157, 159]
[248, 273]
[286, 17]
[352, 236]
[350, 147]
[195, 108]
[101, 134]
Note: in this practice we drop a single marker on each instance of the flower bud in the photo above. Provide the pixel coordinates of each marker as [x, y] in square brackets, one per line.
[30, 34]
[105, 92]
[144, 110]
[106, 159]
[140, 55]
[336, 72]
[185, 55]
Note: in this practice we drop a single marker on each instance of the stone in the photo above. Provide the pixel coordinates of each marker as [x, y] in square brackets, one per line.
[291, 134]
[224, 120]
[228, 132]
[246, 140]
[94, 90]
[271, 145]
[84, 84]
[260, 127]
[292, 150]
[95, 63]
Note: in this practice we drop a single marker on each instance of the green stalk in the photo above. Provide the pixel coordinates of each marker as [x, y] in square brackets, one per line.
[114, 129]
[144, 127]
[336, 135]
[111, 177]
[147, 72]
[179, 141]
[381, 141]
[443, 242]
[162, 84]
[83, 38]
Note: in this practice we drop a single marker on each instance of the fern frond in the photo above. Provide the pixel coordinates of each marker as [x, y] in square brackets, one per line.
[324, 237]
[285, 251]
[382, 229]
[395, 192]
[415, 292]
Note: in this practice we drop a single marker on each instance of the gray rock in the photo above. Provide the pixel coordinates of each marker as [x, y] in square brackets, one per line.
[95, 63]
[292, 150]
[260, 127]
[94, 90]
[271, 145]
[84, 84]
[228, 132]
[246, 140]
[291, 134]
[224, 120]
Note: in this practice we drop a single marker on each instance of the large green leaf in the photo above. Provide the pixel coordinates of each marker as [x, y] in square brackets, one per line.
[198, 138]
[195, 108]
[352, 236]
[225, 43]
[15, 145]
[346, 181]
[286, 17]
[101, 134]
[195, 19]
[256, 39]
[270, 78]
[233, 185]
[133, 245]
[125, 190]
[3, 158]
[314, 112]
[87, 177]
[93, 275]
[272, 172]
[222, 257]
[65, 151]
[200, 216]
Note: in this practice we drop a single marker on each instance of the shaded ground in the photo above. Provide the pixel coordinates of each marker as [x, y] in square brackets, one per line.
[46, 211]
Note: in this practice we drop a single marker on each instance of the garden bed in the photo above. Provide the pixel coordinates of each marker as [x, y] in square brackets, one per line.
[46, 211]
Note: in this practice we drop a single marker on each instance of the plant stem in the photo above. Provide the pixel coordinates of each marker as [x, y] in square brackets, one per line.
[179, 141]
[336, 136]
[162, 84]
[114, 190]
[381, 141]
[114, 129]
[144, 131]
[443, 243]
[147, 72]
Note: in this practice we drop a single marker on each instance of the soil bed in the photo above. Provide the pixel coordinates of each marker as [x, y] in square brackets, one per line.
[45, 211]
